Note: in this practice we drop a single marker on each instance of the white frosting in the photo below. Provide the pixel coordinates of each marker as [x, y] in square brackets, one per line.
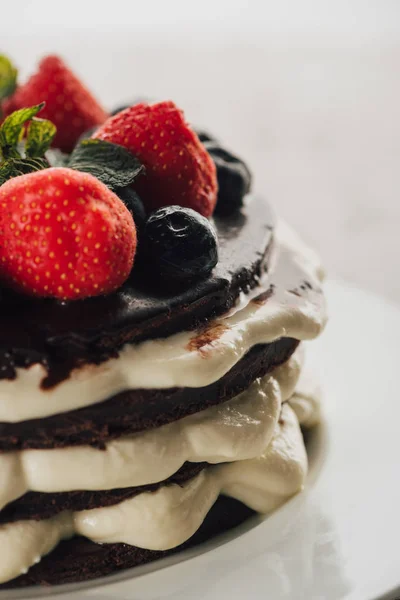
[173, 361]
[166, 518]
[306, 400]
[25, 542]
[253, 443]
[235, 430]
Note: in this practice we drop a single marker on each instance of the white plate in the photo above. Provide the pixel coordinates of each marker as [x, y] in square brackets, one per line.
[340, 538]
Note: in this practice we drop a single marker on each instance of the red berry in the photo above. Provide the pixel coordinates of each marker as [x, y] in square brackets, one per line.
[179, 170]
[69, 105]
[64, 234]
[8, 106]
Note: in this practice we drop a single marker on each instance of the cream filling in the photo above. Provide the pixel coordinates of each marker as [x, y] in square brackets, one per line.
[25, 542]
[306, 400]
[176, 361]
[166, 518]
[235, 430]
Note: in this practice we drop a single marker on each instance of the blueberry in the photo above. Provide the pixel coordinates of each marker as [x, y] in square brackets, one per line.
[135, 206]
[180, 244]
[204, 136]
[122, 107]
[234, 179]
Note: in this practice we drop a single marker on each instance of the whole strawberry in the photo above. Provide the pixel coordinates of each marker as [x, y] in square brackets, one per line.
[179, 170]
[64, 234]
[69, 105]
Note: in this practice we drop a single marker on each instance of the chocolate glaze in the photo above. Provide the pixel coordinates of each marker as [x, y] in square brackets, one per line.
[80, 559]
[38, 505]
[137, 410]
[64, 335]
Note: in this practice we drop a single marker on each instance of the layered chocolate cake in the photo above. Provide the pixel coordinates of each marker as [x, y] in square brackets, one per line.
[152, 318]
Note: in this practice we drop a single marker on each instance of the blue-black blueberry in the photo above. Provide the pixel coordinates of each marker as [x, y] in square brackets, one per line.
[180, 244]
[204, 136]
[234, 179]
[135, 206]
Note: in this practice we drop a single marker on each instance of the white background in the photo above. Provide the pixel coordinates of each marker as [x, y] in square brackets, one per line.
[307, 91]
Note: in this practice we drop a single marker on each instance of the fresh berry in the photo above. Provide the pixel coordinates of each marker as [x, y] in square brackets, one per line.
[180, 244]
[179, 170]
[204, 136]
[234, 179]
[69, 105]
[64, 234]
[135, 206]
[121, 107]
[9, 105]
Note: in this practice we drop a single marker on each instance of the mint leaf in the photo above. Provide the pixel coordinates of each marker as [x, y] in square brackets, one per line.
[20, 166]
[12, 130]
[8, 77]
[115, 166]
[40, 135]
[13, 146]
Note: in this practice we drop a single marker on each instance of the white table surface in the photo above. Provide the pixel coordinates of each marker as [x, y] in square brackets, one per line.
[307, 92]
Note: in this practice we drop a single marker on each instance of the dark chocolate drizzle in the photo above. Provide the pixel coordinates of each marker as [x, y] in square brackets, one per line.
[65, 335]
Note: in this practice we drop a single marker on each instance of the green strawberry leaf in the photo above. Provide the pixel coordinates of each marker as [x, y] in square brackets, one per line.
[114, 165]
[8, 77]
[13, 167]
[13, 128]
[40, 135]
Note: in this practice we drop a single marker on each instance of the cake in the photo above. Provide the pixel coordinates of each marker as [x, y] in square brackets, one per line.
[153, 384]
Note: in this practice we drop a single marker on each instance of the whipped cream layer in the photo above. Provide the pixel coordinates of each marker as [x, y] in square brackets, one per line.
[166, 518]
[181, 360]
[307, 398]
[235, 430]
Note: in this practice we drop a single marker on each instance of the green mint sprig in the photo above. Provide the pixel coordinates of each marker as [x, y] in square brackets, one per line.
[20, 166]
[41, 133]
[24, 140]
[114, 165]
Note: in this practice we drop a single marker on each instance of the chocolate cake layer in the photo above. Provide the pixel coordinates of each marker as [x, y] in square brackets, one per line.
[38, 506]
[80, 559]
[138, 410]
[63, 335]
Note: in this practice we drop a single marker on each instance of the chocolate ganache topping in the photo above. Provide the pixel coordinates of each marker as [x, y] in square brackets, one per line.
[64, 335]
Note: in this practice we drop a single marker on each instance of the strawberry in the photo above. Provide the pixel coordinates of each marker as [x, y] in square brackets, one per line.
[64, 234]
[179, 170]
[69, 105]
[8, 106]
